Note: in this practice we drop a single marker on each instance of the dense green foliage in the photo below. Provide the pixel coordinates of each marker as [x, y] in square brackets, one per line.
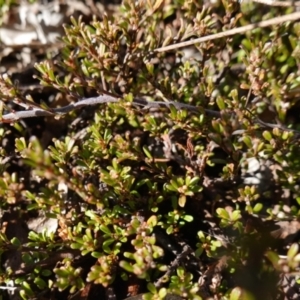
[146, 191]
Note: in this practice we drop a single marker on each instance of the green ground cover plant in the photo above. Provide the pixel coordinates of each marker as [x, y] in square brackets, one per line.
[133, 199]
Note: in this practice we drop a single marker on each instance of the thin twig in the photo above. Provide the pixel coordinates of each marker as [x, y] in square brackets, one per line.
[278, 3]
[290, 17]
[9, 288]
[16, 115]
[175, 263]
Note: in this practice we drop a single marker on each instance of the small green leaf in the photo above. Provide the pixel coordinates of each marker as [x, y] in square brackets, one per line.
[105, 229]
[126, 265]
[46, 272]
[221, 103]
[293, 251]
[258, 207]
[236, 294]
[20, 144]
[163, 293]
[236, 215]
[40, 283]
[188, 218]
[194, 180]
[147, 152]
[248, 141]
[27, 258]
[267, 135]
[170, 230]
[16, 242]
[152, 221]
[106, 245]
[151, 287]
[180, 272]
[27, 288]
[182, 200]
[223, 213]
